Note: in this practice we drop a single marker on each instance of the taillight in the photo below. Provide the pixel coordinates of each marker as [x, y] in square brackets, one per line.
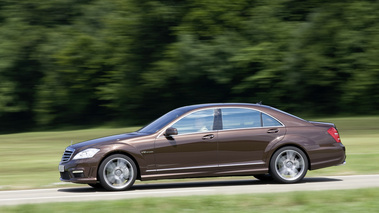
[334, 133]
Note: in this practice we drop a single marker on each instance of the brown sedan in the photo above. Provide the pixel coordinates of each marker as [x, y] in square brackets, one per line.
[204, 141]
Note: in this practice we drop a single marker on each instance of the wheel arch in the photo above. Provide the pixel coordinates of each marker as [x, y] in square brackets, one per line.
[289, 145]
[122, 152]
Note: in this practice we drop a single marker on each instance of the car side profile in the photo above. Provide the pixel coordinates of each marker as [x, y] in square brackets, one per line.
[207, 140]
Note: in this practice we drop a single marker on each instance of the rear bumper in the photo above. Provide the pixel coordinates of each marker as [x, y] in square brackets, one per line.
[328, 156]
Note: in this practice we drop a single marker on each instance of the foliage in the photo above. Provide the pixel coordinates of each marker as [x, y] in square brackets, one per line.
[65, 62]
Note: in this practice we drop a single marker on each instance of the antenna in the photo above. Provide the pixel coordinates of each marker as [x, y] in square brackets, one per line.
[260, 103]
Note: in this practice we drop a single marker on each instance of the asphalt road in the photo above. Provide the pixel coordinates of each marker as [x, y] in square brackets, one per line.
[215, 187]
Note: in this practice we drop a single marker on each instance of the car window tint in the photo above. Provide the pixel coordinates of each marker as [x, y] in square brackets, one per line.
[270, 121]
[200, 121]
[237, 118]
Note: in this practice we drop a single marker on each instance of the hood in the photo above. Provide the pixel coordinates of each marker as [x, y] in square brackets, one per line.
[107, 139]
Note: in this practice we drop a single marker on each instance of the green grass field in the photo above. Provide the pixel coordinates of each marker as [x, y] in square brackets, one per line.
[363, 200]
[30, 160]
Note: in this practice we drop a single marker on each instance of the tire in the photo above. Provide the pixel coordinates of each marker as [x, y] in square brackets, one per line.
[288, 165]
[264, 177]
[117, 172]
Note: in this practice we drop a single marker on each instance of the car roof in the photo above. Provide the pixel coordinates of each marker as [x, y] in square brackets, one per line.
[196, 106]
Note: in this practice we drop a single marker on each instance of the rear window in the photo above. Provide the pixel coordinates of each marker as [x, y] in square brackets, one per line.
[269, 121]
[238, 118]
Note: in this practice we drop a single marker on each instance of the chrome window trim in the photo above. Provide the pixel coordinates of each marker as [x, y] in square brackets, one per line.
[222, 107]
[258, 111]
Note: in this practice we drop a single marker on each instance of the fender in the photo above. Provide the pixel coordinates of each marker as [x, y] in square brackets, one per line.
[290, 140]
[128, 149]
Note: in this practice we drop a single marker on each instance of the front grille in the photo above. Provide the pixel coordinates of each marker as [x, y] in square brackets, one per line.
[67, 154]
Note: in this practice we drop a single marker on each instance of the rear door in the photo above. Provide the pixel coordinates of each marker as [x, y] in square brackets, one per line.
[243, 139]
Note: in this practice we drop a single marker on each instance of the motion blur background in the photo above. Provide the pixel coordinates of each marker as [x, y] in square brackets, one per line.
[85, 62]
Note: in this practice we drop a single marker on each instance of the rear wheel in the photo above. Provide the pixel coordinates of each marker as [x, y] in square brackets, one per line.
[117, 172]
[288, 165]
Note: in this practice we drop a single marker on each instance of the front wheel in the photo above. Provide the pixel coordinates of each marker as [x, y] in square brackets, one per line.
[117, 172]
[288, 165]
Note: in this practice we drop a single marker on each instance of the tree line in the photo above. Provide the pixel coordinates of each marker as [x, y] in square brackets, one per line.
[80, 62]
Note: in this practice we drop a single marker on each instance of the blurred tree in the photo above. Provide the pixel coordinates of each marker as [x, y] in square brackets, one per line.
[328, 53]
[24, 29]
[358, 54]
[19, 74]
[90, 61]
[79, 78]
[140, 31]
[224, 51]
[70, 93]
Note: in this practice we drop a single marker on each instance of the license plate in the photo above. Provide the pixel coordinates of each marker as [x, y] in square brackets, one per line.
[61, 168]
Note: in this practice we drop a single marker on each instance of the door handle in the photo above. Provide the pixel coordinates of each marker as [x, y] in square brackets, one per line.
[273, 131]
[208, 137]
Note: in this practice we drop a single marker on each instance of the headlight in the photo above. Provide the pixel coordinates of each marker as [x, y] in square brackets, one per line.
[87, 153]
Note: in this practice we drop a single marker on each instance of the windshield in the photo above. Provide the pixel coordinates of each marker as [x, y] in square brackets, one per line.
[162, 121]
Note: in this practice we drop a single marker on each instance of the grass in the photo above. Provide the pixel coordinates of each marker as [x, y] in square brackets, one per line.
[30, 160]
[362, 200]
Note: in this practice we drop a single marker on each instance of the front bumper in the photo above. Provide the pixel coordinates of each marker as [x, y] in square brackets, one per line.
[79, 171]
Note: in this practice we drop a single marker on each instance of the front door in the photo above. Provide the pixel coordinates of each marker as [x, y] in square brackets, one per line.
[193, 152]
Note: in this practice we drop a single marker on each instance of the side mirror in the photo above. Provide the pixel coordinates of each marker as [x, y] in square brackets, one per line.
[170, 131]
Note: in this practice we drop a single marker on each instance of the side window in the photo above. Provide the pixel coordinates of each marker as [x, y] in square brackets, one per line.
[238, 118]
[200, 121]
[270, 121]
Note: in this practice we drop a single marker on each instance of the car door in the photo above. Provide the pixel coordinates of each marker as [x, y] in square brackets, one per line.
[244, 137]
[193, 150]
